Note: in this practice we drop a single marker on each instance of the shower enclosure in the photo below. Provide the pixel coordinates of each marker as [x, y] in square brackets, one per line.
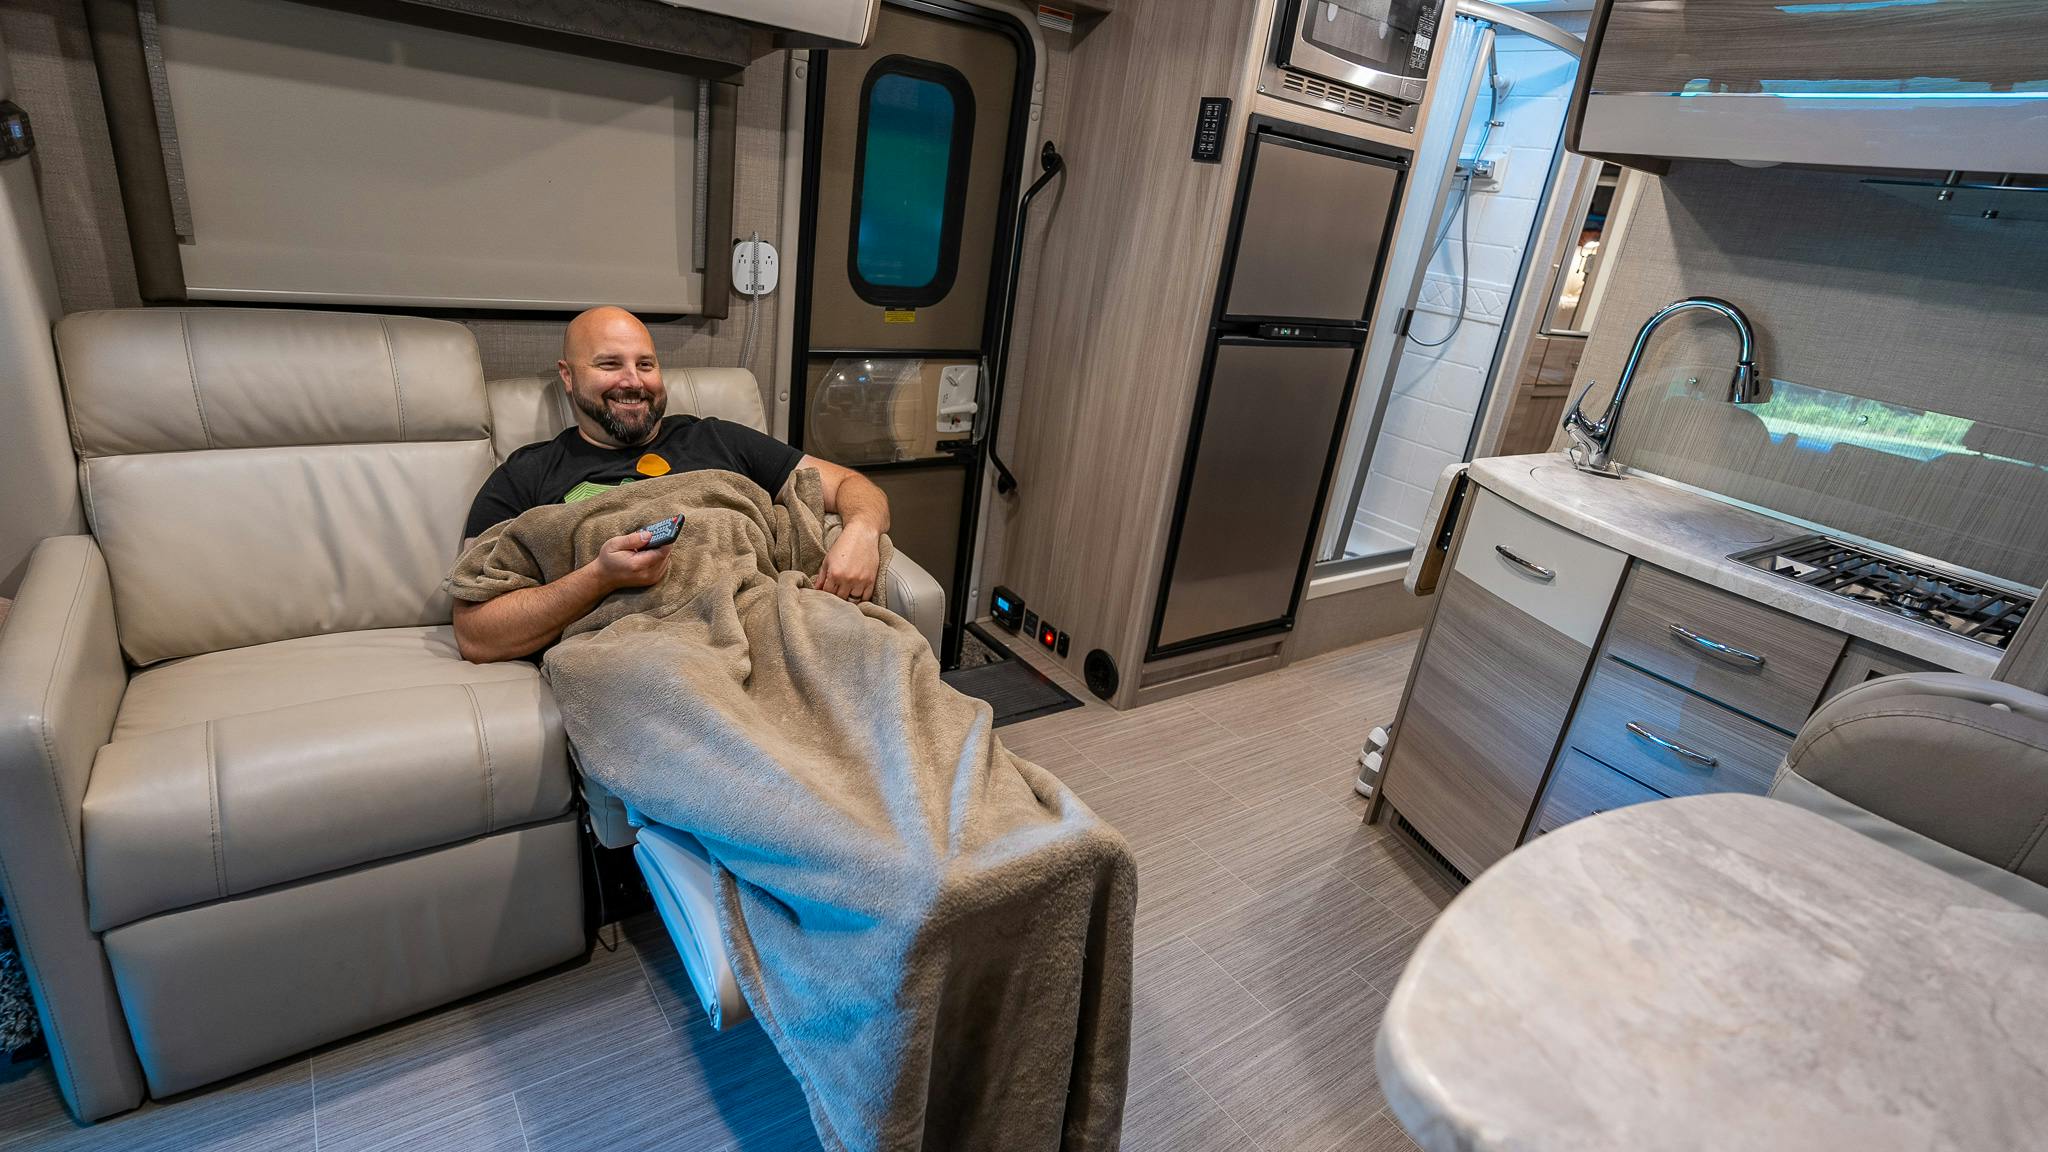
[1463, 276]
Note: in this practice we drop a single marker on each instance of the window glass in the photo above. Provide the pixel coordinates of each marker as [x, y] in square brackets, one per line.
[916, 124]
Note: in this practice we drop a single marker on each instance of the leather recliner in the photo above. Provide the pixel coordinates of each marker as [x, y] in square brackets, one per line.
[251, 798]
[678, 870]
[1949, 769]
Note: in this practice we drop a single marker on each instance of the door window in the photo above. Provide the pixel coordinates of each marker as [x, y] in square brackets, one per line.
[916, 128]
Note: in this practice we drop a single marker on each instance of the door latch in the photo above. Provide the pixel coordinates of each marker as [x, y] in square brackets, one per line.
[17, 138]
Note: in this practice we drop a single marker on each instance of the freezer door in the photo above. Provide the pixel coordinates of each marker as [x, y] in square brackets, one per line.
[1261, 458]
[1313, 230]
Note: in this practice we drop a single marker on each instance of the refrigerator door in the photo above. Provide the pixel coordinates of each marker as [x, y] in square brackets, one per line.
[1314, 227]
[1266, 437]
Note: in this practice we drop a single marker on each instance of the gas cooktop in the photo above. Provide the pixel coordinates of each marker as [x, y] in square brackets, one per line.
[1918, 590]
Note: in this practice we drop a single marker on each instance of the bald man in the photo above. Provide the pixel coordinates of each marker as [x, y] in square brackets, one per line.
[613, 381]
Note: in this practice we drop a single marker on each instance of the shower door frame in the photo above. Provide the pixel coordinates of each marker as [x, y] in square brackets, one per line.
[1335, 532]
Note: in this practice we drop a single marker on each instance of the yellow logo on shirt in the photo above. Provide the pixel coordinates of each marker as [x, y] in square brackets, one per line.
[651, 465]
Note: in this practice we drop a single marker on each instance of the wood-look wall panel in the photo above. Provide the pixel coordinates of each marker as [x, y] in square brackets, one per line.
[999, 511]
[1123, 294]
[1853, 292]
[1661, 45]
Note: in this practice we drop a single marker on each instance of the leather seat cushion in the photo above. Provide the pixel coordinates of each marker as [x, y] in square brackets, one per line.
[242, 769]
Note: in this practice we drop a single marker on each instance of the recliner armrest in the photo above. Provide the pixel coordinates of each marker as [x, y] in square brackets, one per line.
[907, 590]
[61, 683]
[912, 593]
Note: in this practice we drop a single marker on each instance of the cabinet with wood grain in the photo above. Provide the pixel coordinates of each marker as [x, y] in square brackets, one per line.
[1696, 690]
[1559, 678]
[1516, 621]
[1770, 82]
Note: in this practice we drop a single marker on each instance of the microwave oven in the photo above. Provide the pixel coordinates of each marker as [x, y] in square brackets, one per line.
[1379, 47]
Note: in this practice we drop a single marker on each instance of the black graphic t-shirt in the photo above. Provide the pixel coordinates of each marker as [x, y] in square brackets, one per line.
[570, 468]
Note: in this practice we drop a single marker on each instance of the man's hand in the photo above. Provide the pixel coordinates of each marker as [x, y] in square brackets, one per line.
[627, 562]
[852, 564]
[523, 622]
[855, 559]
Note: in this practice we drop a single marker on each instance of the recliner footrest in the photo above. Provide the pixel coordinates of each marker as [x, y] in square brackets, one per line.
[680, 876]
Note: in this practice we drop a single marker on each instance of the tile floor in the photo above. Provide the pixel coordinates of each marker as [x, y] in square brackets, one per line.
[1271, 926]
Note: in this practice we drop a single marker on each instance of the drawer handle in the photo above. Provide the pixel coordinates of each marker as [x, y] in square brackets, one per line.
[1714, 647]
[1536, 570]
[1672, 746]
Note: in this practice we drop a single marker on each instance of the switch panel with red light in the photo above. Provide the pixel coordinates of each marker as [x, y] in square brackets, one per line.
[1048, 636]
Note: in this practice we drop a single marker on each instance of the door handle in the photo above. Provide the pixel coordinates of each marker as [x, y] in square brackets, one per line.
[1715, 647]
[1536, 570]
[1672, 746]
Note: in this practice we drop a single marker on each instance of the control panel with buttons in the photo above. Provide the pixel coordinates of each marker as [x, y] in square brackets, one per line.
[1211, 117]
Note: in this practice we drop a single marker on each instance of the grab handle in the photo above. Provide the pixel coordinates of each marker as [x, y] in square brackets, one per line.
[1672, 746]
[1715, 647]
[1536, 570]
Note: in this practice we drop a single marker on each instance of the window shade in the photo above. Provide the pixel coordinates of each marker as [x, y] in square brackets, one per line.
[334, 157]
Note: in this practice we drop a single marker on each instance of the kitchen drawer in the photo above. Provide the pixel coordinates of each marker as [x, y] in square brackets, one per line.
[1553, 574]
[1745, 754]
[1757, 660]
[1581, 787]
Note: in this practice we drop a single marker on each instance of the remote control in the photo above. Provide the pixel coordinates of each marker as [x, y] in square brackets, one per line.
[662, 531]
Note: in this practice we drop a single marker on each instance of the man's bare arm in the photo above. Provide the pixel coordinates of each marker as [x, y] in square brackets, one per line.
[521, 623]
[855, 560]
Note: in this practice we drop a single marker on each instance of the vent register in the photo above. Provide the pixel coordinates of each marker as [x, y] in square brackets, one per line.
[1344, 98]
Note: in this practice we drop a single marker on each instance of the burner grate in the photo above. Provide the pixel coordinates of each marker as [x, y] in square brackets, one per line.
[1916, 590]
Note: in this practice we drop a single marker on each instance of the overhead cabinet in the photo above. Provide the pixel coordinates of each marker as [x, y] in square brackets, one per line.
[1950, 85]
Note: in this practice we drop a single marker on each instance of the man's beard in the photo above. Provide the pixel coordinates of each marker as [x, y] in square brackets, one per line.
[627, 430]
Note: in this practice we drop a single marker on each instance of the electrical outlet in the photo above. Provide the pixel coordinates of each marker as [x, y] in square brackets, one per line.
[754, 270]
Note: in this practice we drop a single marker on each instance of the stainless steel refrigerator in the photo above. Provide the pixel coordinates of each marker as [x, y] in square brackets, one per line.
[1309, 232]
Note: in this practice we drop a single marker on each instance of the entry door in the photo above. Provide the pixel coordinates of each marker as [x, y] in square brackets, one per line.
[913, 149]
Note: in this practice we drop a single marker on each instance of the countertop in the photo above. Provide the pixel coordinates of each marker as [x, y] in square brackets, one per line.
[1718, 972]
[1692, 534]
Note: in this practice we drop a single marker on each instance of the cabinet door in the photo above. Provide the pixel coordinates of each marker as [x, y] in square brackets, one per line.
[1492, 691]
[1662, 46]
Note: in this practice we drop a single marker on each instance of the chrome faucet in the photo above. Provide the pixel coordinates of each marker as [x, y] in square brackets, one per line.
[1592, 444]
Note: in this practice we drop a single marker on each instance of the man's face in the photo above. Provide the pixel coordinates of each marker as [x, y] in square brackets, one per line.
[615, 381]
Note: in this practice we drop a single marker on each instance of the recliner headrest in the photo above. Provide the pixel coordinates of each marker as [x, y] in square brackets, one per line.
[146, 380]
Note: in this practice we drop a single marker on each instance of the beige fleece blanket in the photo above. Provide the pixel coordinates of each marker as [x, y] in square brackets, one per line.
[935, 933]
